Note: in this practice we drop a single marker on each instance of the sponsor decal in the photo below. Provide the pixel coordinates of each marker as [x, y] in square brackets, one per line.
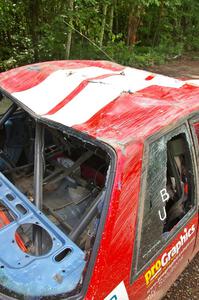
[168, 256]
[119, 293]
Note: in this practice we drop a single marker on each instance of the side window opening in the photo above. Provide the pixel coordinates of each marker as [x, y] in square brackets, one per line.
[5, 104]
[74, 173]
[75, 176]
[169, 193]
[179, 181]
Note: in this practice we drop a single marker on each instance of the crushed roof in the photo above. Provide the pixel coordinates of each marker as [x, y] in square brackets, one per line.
[108, 101]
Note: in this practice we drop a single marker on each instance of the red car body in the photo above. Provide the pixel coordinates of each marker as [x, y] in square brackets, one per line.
[128, 121]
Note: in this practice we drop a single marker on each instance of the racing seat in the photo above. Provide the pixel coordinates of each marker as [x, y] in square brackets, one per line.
[177, 181]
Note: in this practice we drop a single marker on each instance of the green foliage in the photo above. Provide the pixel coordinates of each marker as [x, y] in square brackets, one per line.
[133, 32]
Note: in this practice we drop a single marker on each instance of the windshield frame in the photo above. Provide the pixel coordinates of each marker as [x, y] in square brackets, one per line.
[107, 197]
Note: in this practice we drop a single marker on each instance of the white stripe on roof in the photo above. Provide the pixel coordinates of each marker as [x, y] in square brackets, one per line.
[47, 94]
[93, 97]
[100, 93]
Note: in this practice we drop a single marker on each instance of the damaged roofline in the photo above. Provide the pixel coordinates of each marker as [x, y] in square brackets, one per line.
[108, 187]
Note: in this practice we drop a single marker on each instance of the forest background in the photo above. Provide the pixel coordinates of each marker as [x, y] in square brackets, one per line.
[138, 33]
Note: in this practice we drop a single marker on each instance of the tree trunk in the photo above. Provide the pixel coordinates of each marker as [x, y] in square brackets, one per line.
[158, 24]
[133, 24]
[116, 17]
[70, 30]
[103, 25]
[111, 18]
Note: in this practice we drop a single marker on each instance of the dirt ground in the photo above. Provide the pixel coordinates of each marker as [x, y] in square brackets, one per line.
[187, 285]
[184, 68]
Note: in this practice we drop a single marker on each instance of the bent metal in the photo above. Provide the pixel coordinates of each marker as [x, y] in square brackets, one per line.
[98, 181]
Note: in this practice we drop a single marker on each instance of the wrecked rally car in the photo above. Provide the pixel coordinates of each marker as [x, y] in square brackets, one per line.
[98, 181]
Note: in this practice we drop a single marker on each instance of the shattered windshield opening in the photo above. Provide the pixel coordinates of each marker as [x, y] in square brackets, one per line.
[53, 186]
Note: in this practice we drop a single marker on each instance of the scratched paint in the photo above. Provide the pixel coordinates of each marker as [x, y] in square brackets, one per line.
[113, 98]
[125, 120]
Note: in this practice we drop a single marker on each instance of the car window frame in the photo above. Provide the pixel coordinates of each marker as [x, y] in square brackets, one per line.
[135, 273]
[110, 184]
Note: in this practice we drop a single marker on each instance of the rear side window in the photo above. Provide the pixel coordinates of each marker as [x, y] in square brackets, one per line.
[4, 105]
[169, 192]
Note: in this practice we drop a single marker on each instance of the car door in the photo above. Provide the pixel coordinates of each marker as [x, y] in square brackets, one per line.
[168, 215]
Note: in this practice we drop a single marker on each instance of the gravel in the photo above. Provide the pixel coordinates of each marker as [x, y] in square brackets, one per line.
[186, 287]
